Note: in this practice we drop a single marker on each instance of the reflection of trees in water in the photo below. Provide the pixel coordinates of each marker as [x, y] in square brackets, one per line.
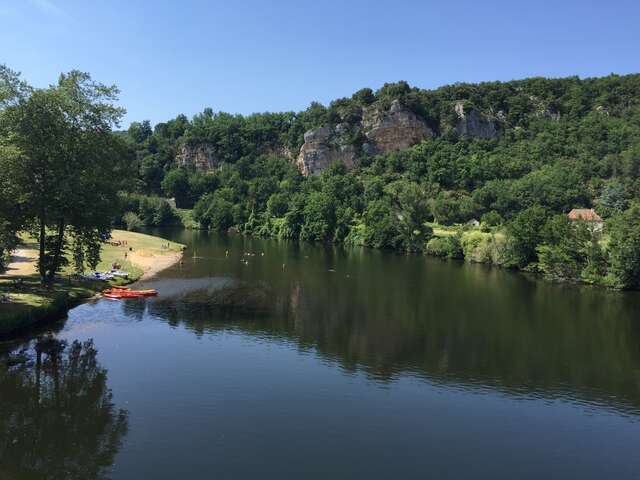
[57, 417]
[134, 308]
[226, 303]
[472, 327]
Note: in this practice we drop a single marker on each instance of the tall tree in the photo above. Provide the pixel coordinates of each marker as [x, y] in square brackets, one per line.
[624, 249]
[70, 163]
[12, 218]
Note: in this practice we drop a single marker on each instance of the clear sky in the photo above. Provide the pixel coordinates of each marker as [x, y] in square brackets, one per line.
[243, 56]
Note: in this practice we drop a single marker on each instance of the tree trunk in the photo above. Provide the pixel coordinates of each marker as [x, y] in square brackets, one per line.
[56, 253]
[41, 263]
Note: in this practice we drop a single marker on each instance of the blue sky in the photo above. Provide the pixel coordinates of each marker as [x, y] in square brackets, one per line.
[171, 57]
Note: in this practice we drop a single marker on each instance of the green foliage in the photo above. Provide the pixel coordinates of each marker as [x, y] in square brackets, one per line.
[410, 212]
[446, 247]
[132, 221]
[380, 225]
[277, 205]
[570, 251]
[214, 211]
[557, 150]
[624, 249]
[70, 164]
[480, 247]
[525, 234]
[176, 184]
[492, 218]
[148, 211]
[319, 217]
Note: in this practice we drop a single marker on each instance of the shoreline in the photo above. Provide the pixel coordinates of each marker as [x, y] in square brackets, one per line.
[32, 306]
[151, 270]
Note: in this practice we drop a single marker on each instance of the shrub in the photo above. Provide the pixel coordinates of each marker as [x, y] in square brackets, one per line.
[484, 248]
[492, 219]
[447, 247]
[132, 221]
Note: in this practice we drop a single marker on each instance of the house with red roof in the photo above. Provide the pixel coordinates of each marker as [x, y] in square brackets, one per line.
[589, 216]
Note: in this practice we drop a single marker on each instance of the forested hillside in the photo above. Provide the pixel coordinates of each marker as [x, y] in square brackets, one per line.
[513, 155]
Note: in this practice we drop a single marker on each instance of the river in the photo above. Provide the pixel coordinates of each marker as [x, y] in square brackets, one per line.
[267, 359]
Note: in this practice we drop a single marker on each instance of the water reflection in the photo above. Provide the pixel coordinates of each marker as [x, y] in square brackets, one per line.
[391, 314]
[57, 417]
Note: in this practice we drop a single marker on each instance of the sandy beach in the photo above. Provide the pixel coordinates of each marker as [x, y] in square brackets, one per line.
[153, 264]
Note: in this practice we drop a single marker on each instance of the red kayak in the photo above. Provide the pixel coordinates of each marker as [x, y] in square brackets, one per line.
[120, 293]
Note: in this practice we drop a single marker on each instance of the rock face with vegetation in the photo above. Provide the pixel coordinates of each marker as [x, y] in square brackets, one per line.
[323, 146]
[201, 157]
[378, 131]
[471, 124]
[392, 130]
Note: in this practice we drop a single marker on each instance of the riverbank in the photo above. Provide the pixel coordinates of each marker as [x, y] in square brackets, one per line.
[24, 302]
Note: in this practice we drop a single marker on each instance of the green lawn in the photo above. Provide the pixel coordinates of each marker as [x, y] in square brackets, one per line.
[450, 230]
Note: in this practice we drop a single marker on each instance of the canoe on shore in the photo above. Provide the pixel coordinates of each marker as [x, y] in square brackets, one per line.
[122, 293]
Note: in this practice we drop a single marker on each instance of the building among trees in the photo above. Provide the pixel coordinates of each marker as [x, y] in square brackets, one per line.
[588, 215]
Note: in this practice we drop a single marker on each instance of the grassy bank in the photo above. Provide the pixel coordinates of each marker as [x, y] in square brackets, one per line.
[30, 303]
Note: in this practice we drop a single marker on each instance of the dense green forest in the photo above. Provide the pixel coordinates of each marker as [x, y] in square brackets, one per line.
[559, 144]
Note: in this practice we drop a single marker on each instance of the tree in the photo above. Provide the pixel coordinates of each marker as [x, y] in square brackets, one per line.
[12, 201]
[70, 162]
[492, 218]
[139, 132]
[12, 217]
[176, 184]
[410, 213]
[380, 225]
[132, 221]
[624, 249]
[277, 205]
[525, 234]
[319, 218]
[214, 211]
[564, 253]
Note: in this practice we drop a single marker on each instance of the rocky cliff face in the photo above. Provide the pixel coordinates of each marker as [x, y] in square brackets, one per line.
[202, 157]
[471, 124]
[381, 131]
[385, 131]
[322, 146]
[392, 130]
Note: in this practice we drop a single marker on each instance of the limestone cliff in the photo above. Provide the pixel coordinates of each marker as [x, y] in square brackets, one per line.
[384, 130]
[471, 124]
[395, 129]
[322, 146]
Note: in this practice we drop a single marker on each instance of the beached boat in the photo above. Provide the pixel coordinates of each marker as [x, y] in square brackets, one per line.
[99, 276]
[122, 293]
[119, 273]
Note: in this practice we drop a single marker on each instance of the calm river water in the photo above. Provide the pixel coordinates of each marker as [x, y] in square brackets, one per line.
[266, 359]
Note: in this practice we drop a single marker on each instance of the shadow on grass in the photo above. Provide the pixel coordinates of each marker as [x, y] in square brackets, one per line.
[25, 301]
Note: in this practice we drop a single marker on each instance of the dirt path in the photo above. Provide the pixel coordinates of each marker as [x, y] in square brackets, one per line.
[23, 262]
